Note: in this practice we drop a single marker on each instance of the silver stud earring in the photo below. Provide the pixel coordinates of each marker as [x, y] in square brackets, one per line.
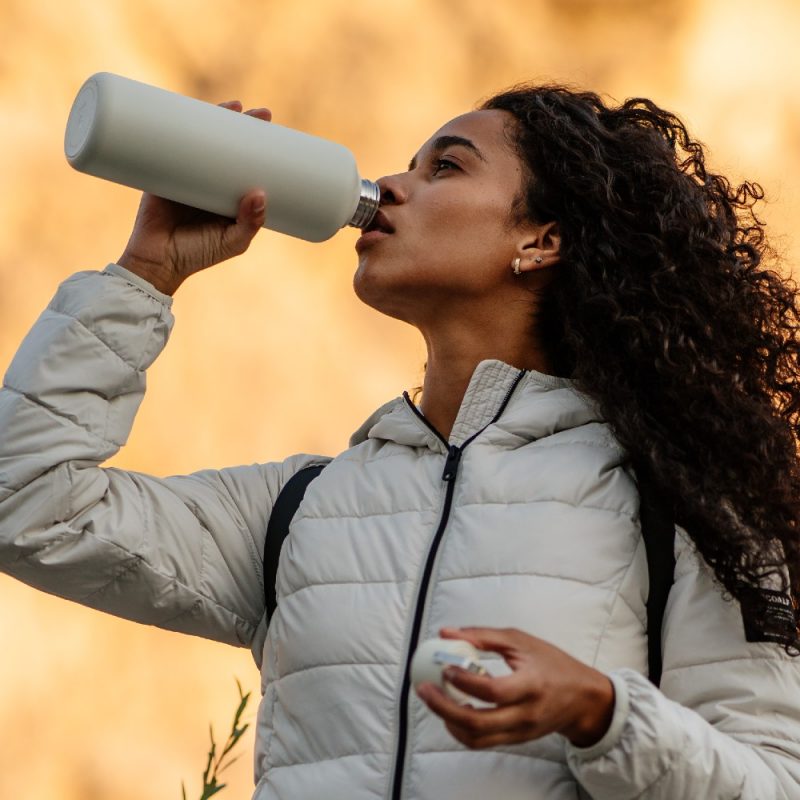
[538, 259]
[515, 265]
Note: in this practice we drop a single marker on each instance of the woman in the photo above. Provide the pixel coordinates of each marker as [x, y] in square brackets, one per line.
[595, 309]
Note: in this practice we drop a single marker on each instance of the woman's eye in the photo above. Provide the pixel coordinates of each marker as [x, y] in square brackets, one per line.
[443, 164]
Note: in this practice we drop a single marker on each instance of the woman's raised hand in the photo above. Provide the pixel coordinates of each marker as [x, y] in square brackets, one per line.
[171, 241]
[548, 691]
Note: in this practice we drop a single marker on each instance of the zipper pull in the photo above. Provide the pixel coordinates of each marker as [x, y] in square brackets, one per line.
[451, 464]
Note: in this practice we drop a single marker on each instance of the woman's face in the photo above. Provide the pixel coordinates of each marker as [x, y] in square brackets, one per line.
[449, 214]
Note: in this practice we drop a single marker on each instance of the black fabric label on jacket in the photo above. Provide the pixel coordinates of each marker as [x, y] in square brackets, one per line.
[769, 616]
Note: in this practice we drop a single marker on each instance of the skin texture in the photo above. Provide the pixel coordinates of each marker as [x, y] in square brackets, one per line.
[446, 269]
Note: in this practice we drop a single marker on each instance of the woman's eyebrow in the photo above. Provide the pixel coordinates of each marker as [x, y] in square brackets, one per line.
[443, 142]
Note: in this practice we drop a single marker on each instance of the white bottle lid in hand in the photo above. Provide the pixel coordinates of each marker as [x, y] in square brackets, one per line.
[433, 656]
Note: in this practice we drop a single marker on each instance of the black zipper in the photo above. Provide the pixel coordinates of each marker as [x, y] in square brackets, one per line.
[449, 476]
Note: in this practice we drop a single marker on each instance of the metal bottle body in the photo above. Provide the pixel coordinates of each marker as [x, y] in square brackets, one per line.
[208, 157]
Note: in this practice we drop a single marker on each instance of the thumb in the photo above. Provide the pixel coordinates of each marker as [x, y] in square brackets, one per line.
[250, 219]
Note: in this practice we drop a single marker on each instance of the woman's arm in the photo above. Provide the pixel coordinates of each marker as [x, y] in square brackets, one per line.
[183, 553]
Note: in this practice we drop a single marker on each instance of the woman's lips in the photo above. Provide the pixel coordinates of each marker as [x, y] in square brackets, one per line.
[379, 228]
[369, 238]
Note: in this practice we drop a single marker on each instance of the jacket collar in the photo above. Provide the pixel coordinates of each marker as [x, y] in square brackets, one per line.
[540, 404]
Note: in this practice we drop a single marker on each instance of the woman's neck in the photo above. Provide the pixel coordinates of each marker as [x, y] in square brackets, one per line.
[449, 371]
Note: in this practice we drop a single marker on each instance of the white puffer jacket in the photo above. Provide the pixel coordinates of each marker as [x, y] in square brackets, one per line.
[535, 527]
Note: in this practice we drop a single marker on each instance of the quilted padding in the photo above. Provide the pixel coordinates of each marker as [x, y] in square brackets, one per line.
[537, 528]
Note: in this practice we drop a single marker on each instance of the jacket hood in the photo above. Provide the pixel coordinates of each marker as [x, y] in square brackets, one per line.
[539, 405]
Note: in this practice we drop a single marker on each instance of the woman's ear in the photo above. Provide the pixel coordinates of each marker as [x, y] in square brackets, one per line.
[541, 248]
[551, 238]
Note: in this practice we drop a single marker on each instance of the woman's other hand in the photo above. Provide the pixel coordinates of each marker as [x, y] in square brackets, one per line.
[547, 691]
[171, 241]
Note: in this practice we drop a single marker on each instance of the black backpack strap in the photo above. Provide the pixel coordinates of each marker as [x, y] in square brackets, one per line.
[283, 512]
[658, 531]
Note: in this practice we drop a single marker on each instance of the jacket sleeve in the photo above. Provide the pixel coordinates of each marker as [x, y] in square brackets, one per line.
[725, 723]
[183, 553]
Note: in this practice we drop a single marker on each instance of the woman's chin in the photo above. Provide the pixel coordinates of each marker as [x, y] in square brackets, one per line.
[375, 289]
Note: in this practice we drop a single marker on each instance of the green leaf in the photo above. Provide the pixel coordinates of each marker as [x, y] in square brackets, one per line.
[209, 791]
[211, 753]
[240, 709]
[216, 764]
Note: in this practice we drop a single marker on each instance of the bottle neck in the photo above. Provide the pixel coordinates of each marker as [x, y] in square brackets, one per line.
[367, 206]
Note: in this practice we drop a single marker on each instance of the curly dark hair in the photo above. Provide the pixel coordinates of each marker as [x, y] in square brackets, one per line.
[665, 313]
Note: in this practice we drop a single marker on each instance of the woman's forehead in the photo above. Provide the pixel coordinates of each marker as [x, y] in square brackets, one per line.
[488, 125]
[484, 131]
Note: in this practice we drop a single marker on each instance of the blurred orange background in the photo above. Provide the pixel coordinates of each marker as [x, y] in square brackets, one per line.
[272, 354]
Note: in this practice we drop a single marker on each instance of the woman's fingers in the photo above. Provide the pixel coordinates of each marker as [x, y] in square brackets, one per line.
[260, 113]
[482, 741]
[501, 690]
[548, 690]
[471, 725]
[250, 219]
[252, 209]
[499, 640]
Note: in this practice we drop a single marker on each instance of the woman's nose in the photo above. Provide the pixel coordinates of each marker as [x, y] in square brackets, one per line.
[392, 190]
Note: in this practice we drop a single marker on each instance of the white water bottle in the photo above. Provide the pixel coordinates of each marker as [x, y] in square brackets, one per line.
[208, 157]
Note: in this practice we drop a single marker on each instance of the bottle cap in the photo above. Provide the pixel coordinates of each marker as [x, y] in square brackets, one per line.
[367, 204]
[81, 119]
